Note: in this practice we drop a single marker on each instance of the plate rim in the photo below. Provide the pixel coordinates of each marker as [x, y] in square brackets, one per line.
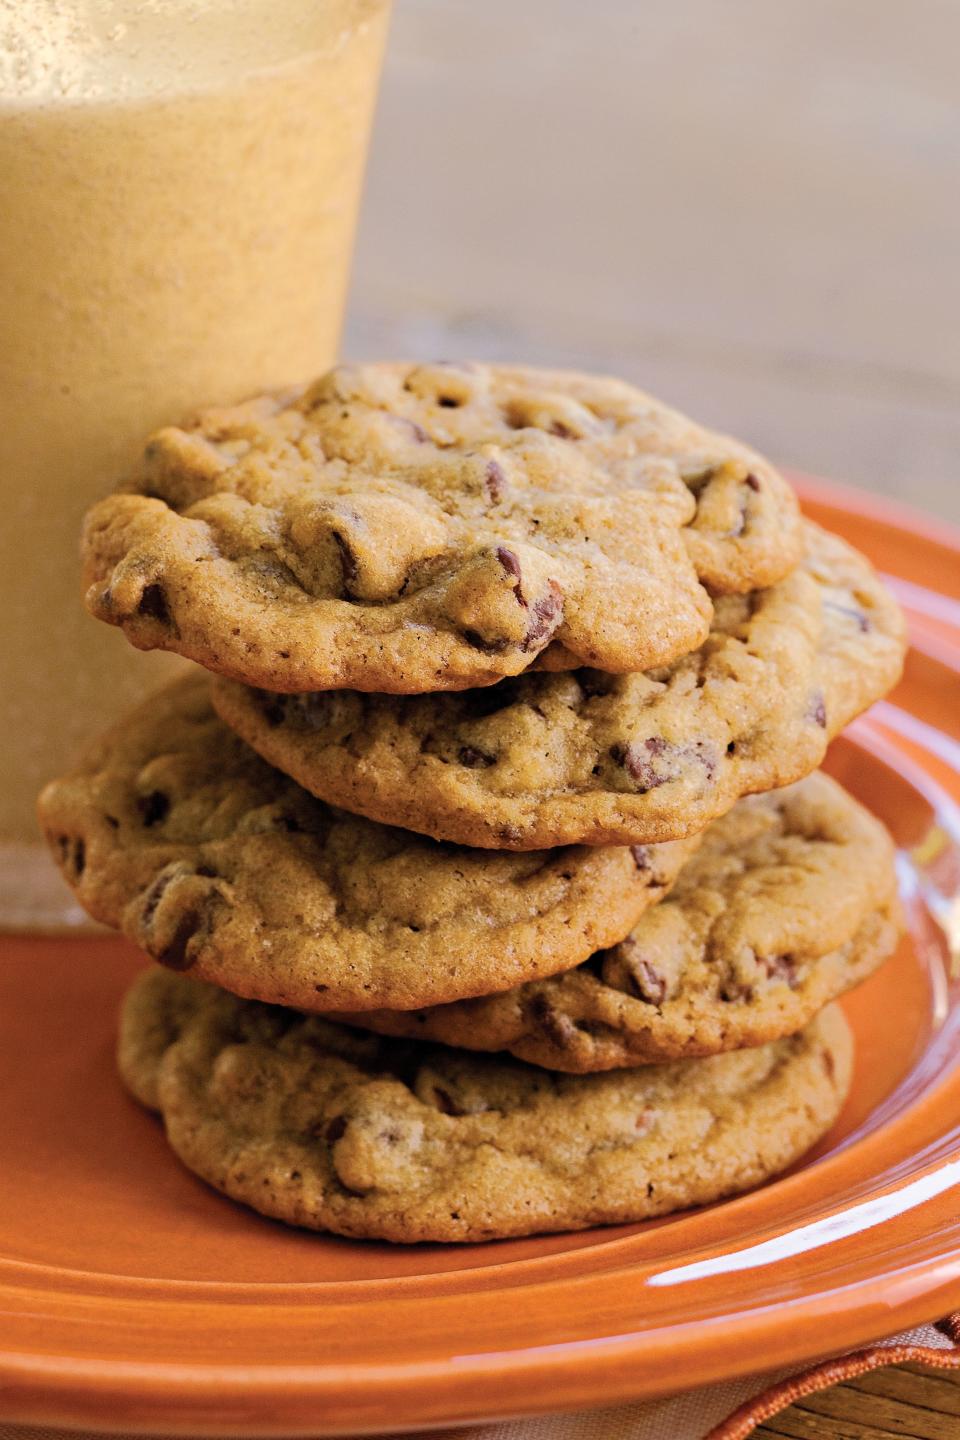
[273, 1400]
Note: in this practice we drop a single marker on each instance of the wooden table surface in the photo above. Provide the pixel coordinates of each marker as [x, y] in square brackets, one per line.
[902, 1400]
[750, 209]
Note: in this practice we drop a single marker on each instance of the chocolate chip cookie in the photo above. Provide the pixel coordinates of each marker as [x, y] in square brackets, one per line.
[588, 757]
[176, 832]
[790, 900]
[328, 1128]
[405, 528]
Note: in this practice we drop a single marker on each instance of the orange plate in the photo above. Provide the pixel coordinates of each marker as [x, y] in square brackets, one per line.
[133, 1297]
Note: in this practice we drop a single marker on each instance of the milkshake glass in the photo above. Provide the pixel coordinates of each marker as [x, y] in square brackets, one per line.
[179, 182]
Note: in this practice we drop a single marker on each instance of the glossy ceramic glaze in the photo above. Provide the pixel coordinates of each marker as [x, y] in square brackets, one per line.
[131, 1296]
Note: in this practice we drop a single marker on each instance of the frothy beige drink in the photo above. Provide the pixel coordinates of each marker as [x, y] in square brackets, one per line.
[178, 190]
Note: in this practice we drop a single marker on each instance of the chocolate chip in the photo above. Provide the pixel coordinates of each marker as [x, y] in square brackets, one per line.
[475, 759]
[780, 967]
[336, 1129]
[153, 808]
[558, 1029]
[153, 604]
[863, 622]
[445, 1102]
[71, 854]
[155, 894]
[636, 760]
[511, 564]
[545, 616]
[641, 760]
[174, 955]
[495, 481]
[752, 481]
[647, 981]
[449, 402]
[348, 563]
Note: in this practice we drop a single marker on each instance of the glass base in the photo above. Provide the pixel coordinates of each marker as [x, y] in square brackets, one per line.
[34, 896]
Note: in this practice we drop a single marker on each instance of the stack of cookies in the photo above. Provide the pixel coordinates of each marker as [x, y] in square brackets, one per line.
[490, 879]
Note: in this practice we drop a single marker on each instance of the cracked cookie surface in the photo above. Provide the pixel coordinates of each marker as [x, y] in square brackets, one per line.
[790, 900]
[586, 757]
[174, 831]
[324, 1127]
[404, 529]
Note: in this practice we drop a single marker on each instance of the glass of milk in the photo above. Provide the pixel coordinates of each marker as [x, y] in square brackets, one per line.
[179, 182]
